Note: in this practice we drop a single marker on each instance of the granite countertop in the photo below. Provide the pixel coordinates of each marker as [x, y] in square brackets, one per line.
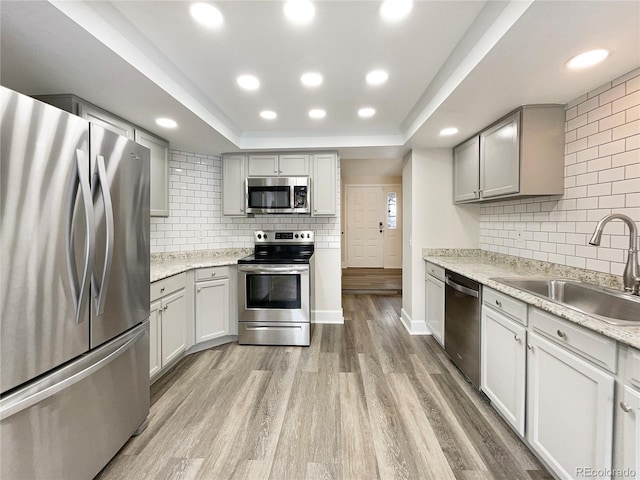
[164, 265]
[483, 266]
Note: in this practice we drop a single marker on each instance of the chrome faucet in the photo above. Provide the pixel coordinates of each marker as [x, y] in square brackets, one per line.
[631, 274]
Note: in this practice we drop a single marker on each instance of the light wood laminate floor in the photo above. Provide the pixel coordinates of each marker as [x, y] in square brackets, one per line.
[364, 401]
[371, 280]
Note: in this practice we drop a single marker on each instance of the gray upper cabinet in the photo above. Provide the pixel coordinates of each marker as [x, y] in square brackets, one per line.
[158, 146]
[286, 165]
[500, 158]
[466, 179]
[520, 155]
[233, 185]
[159, 193]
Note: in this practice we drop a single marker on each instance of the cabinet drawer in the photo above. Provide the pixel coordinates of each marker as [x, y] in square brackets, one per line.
[435, 270]
[506, 304]
[211, 273]
[166, 286]
[592, 346]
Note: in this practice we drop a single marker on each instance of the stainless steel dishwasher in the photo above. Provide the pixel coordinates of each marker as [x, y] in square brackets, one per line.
[462, 308]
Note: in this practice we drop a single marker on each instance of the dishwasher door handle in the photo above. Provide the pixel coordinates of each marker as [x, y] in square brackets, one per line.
[461, 288]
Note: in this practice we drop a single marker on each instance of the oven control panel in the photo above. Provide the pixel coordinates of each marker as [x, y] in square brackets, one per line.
[284, 236]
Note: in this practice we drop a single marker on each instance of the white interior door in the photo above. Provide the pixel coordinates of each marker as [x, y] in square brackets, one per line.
[365, 226]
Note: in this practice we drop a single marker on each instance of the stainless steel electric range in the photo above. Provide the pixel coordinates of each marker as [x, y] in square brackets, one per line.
[275, 289]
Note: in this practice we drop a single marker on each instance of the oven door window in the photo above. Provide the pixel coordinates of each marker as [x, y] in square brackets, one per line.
[273, 291]
[269, 197]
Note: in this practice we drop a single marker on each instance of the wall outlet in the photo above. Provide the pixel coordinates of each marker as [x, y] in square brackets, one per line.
[519, 236]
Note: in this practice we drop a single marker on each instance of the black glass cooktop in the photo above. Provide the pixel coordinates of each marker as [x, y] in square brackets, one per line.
[279, 255]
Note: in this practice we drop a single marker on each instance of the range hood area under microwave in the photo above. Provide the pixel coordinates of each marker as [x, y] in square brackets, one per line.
[277, 195]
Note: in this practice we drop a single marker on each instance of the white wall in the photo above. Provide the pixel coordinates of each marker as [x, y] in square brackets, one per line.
[196, 223]
[432, 221]
[602, 176]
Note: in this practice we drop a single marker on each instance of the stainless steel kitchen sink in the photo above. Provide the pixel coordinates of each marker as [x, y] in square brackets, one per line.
[612, 306]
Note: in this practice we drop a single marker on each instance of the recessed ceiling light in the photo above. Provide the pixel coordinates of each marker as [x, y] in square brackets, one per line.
[446, 132]
[317, 113]
[366, 112]
[268, 114]
[377, 77]
[299, 12]
[587, 59]
[166, 122]
[394, 10]
[248, 82]
[206, 14]
[311, 79]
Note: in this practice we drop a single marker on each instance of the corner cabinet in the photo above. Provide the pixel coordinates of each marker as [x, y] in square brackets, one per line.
[159, 192]
[522, 154]
[233, 185]
[212, 303]
[324, 184]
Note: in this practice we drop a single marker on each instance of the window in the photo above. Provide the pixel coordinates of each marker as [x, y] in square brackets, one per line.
[391, 210]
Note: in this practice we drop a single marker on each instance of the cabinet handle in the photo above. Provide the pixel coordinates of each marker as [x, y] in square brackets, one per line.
[516, 337]
[529, 347]
[499, 303]
[625, 408]
[213, 274]
[279, 171]
[162, 290]
[561, 334]
[275, 170]
[242, 209]
[165, 308]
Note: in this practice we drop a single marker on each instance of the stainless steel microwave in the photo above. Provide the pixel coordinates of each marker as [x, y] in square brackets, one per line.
[278, 195]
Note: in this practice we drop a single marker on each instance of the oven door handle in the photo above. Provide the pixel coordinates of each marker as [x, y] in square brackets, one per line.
[286, 269]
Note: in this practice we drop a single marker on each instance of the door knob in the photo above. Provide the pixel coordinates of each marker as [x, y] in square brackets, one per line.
[380, 226]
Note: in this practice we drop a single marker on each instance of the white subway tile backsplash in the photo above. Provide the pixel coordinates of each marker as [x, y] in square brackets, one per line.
[602, 175]
[196, 221]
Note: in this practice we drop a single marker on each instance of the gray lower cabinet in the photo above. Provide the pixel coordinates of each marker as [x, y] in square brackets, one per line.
[212, 307]
[168, 322]
[560, 378]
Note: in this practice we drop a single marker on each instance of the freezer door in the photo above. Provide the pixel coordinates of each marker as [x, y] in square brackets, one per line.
[120, 282]
[69, 423]
[45, 237]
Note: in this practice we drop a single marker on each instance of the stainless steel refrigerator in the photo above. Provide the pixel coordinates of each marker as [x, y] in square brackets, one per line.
[74, 286]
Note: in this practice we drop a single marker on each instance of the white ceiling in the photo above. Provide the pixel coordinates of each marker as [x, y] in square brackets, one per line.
[451, 63]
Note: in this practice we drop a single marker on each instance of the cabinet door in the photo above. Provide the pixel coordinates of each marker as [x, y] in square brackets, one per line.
[569, 410]
[435, 307]
[159, 194]
[466, 171]
[294, 165]
[173, 329]
[212, 309]
[263, 165]
[629, 410]
[106, 120]
[323, 184]
[500, 158]
[155, 360]
[233, 185]
[503, 364]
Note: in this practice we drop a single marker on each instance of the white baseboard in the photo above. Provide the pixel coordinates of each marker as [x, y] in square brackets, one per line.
[328, 316]
[414, 327]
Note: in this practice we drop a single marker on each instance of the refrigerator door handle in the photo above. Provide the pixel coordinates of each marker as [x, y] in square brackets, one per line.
[80, 297]
[65, 378]
[101, 288]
